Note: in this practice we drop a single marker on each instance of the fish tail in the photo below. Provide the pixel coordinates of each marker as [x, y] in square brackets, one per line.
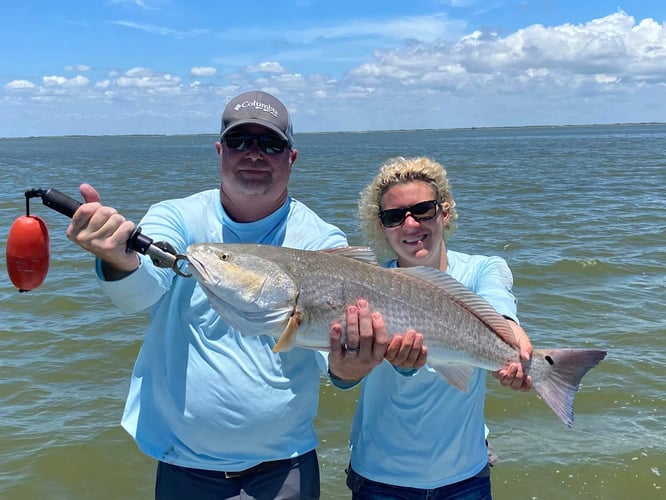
[556, 375]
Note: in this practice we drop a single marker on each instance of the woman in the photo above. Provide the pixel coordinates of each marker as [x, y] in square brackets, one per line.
[414, 434]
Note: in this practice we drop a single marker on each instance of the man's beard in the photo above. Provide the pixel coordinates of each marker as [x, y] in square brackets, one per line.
[253, 185]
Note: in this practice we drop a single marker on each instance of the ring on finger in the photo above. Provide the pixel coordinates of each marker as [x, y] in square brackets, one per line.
[354, 350]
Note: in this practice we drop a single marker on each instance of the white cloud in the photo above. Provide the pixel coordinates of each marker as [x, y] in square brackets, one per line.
[146, 85]
[53, 81]
[202, 71]
[614, 46]
[139, 72]
[61, 81]
[138, 3]
[424, 28]
[266, 67]
[19, 85]
[159, 30]
[143, 5]
[80, 68]
[148, 81]
[606, 79]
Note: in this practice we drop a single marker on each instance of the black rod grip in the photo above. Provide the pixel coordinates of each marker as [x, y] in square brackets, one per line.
[67, 205]
[60, 202]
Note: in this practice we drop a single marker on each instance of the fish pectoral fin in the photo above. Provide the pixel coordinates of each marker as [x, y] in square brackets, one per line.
[458, 375]
[288, 338]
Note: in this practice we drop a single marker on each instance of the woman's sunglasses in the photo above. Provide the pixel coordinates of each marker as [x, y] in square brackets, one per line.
[242, 141]
[394, 217]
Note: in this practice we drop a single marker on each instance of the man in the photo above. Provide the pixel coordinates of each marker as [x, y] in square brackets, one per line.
[223, 415]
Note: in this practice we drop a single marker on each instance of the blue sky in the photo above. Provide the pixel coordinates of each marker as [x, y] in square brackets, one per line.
[169, 66]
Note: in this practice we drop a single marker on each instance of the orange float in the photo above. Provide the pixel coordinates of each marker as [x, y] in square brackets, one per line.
[28, 252]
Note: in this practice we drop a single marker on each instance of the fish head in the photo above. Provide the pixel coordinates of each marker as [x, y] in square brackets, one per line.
[251, 293]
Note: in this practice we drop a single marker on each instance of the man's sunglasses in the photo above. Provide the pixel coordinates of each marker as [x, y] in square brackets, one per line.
[242, 141]
[394, 217]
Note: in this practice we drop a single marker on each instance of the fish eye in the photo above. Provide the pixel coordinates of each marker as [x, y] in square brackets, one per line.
[225, 256]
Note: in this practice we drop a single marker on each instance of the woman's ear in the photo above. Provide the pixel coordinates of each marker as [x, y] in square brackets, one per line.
[446, 215]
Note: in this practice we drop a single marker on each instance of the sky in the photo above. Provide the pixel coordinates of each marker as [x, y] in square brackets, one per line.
[108, 67]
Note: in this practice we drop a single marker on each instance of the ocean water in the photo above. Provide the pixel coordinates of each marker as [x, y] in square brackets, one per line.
[578, 213]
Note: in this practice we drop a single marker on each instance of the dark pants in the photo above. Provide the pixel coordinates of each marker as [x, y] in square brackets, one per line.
[474, 488]
[290, 479]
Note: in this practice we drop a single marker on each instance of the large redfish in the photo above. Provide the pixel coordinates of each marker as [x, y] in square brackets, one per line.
[295, 296]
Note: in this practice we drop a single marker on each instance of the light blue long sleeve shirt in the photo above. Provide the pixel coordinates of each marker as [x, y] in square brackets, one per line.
[418, 431]
[202, 395]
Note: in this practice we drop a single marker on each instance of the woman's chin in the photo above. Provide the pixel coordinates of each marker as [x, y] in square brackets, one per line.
[421, 253]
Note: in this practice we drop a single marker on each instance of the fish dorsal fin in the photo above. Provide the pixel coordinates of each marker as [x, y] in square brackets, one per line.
[364, 254]
[463, 296]
[457, 375]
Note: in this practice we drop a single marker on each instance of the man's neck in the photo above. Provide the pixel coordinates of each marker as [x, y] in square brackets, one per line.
[251, 209]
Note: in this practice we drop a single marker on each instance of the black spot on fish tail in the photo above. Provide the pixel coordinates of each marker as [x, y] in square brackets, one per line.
[559, 376]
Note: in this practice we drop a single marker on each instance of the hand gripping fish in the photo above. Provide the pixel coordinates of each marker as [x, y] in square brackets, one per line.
[295, 296]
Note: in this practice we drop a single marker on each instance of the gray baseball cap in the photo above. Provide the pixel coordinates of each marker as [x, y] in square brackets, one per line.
[260, 108]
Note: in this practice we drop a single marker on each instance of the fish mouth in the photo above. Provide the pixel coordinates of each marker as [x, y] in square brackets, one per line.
[200, 273]
[196, 267]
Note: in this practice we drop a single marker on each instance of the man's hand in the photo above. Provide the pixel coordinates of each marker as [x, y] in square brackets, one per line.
[513, 375]
[365, 343]
[103, 232]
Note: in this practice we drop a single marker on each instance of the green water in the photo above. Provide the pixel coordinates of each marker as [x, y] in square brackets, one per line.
[578, 212]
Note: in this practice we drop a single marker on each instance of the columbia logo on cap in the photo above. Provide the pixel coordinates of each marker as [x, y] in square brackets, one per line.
[257, 105]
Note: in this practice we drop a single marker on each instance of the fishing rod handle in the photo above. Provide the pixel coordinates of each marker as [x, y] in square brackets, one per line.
[66, 205]
[60, 202]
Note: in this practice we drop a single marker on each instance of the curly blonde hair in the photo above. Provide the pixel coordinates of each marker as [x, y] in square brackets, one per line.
[399, 171]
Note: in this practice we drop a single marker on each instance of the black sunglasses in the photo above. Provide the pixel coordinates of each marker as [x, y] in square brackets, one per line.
[242, 141]
[394, 217]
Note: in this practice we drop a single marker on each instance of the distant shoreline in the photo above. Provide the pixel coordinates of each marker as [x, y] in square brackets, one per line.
[503, 127]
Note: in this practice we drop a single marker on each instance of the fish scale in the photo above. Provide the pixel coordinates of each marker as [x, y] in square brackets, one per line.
[295, 295]
[328, 287]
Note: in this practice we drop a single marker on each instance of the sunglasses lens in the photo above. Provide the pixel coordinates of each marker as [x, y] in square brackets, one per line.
[238, 142]
[394, 217]
[271, 145]
[268, 144]
[424, 211]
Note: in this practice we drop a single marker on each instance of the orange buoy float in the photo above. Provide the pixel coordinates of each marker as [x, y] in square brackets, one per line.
[28, 252]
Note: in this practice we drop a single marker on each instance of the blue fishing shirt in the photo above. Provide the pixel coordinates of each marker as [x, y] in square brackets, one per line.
[417, 430]
[201, 394]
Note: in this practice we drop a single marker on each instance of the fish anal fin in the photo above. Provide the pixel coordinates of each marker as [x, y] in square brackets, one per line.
[288, 338]
[458, 375]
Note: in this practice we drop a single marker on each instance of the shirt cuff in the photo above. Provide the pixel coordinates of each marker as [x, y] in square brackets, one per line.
[407, 372]
[134, 292]
[341, 383]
